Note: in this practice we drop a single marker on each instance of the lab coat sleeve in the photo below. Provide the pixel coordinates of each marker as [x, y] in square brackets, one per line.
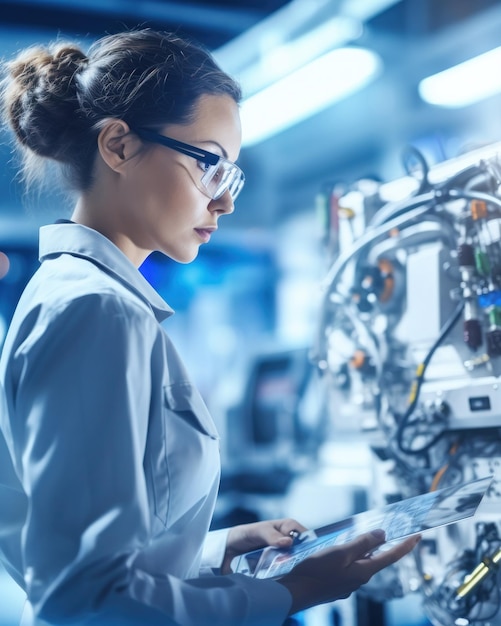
[82, 392]
[213, 551]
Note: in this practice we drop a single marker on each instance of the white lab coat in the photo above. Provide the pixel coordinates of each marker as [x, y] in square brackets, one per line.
[109, 486]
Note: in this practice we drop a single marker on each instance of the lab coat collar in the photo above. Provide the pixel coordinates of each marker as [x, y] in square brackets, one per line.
[86, 242]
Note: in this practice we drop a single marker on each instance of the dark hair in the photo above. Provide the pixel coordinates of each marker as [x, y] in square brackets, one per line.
[55, 98]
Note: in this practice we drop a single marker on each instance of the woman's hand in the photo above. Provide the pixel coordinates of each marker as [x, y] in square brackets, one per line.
[336, 572]
[247, 537]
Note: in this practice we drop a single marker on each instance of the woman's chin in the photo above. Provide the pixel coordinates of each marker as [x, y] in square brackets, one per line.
[184, 257]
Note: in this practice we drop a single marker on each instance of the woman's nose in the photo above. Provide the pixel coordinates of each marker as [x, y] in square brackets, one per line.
[224, 204]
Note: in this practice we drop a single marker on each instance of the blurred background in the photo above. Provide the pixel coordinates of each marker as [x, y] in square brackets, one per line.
[335, 92]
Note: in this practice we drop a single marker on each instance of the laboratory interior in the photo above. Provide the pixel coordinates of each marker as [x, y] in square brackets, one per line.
[341, 325]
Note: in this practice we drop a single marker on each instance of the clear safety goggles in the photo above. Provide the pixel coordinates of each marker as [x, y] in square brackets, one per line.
[220, 174]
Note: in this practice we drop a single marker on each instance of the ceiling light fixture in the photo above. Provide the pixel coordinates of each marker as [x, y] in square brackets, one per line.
[466, 83]
[307, 91]
[282, 59]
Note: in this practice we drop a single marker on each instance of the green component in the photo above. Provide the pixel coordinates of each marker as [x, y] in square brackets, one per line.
[482, 263]
[495, 316]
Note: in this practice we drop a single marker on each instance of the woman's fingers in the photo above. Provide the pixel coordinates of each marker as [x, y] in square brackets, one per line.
[363, 545]
[339, 571]
[284, 532]
[392, 555]
[362, 549]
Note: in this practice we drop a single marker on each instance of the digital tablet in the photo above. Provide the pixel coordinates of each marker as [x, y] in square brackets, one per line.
[399, 520]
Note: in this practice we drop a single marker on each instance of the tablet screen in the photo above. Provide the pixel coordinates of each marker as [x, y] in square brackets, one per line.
[398, 520]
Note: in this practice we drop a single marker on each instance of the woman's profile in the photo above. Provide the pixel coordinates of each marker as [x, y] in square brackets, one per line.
[112, 463]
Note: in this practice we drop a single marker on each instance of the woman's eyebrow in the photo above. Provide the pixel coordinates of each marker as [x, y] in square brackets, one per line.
[215, 143]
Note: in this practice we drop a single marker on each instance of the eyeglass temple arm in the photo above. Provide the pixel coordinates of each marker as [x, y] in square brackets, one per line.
[192, 151]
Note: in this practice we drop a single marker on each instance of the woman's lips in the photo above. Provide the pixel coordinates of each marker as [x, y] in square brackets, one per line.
[204, 233]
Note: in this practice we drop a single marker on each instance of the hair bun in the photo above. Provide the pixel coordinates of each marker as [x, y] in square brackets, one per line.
[38, 64]
[41, 96]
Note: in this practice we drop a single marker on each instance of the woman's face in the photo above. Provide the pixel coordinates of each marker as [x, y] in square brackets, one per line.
[163, 205]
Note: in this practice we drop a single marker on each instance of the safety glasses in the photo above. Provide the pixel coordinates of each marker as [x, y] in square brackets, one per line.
[218, 174]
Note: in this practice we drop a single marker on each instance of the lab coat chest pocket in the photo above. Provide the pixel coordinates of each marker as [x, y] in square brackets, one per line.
[192, 453]
[185, 400]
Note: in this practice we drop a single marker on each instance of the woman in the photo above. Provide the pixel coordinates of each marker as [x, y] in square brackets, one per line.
[107, 498]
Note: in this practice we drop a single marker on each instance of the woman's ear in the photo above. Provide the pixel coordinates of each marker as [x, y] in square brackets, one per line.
[116, 144]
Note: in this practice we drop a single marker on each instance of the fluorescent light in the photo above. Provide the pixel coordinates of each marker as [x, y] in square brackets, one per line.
[280, 26]
[466, 83]
[287, 57]
[307, 91]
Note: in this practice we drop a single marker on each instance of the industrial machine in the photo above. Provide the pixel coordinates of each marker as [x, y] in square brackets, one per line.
[409, 351]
